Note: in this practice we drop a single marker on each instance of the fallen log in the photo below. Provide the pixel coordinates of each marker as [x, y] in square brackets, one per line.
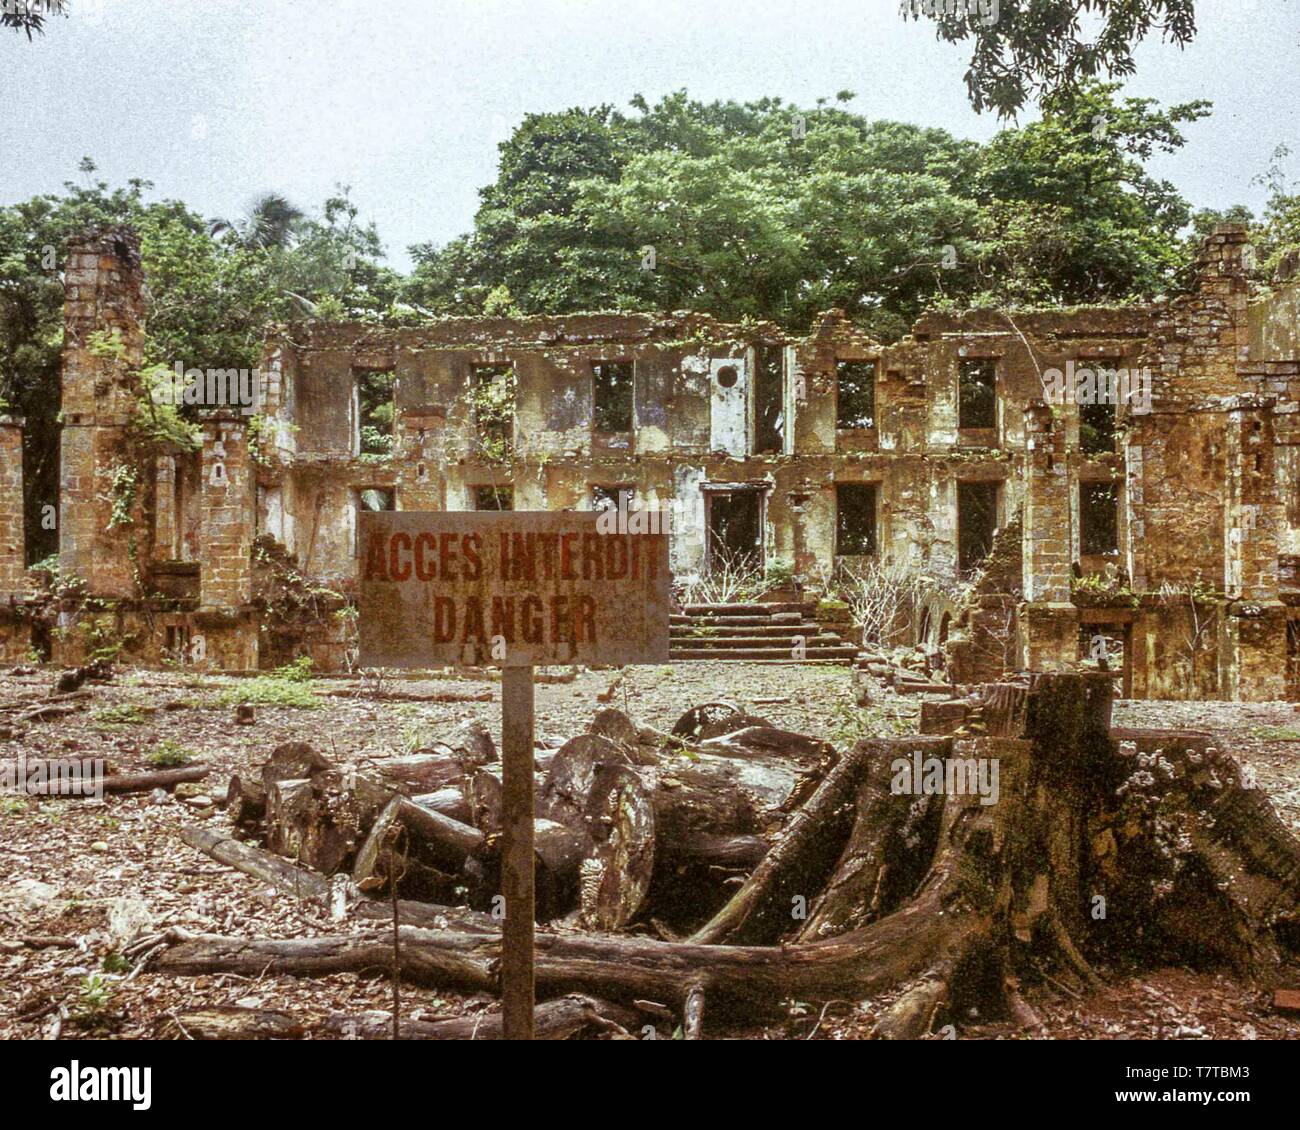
[160, 779]
[1071, 814]
[791, 875]
[449, 801]
[423, 850]
[264, 865]
[559, 1019]
[890, 847]
[232, 1023]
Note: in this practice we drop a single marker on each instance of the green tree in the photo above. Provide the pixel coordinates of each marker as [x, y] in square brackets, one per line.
[1027, 50]
[766, 210]
[30, 15]
[212, 297]
[1069, 213]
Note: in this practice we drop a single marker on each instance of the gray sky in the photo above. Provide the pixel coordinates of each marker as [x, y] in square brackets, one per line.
[406, 100]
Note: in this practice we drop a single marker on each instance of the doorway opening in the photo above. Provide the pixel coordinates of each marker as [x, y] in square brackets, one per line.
[734, 521]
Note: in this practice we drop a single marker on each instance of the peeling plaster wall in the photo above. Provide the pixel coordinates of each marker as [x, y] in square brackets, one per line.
[1210, 478]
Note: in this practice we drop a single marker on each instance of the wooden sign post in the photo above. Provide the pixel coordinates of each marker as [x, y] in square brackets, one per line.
[513, 590]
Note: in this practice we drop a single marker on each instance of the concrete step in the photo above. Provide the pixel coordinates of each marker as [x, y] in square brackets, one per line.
[679, 618]
[805, 607]
[718, 631]
[767, 658]
[843, 654]
[774, 642]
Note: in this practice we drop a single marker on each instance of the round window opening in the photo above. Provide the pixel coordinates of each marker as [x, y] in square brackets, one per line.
[728, 376]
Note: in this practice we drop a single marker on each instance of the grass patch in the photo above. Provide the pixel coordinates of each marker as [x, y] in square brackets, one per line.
[169, 755]
[289, 685]
[268, 691]
[127, 715]
[1276, 733]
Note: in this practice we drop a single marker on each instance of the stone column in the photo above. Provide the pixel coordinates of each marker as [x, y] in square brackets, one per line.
[228, 517]
[103, 348]
[13, 536]
[1253, 655]
[1048, 618]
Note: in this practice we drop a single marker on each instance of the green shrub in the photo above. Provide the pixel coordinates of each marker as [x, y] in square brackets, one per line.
[267, 690]
[169, 755]
[127, 715]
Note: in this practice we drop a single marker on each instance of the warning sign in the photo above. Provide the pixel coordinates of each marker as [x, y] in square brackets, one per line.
[515, 589]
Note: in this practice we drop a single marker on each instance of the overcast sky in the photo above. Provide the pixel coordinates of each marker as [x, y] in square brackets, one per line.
[406, 100]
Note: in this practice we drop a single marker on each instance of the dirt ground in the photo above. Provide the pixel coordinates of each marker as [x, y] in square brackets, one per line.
[90, 874]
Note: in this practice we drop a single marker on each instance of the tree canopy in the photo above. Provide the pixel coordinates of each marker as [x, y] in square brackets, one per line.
[766, 210]
[1035, 50]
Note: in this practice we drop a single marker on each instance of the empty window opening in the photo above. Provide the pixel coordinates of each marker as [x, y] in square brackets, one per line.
[855, 519]
[855, 394]
[735, 530]
[728, 375]
[494, 498]
[612, 393]
[769, 400]
[611, 498]
[1098, 518]
[375, 412]
[977, 394]
[493, 389]
[977, 521]
[178, 642]
[1097, 428]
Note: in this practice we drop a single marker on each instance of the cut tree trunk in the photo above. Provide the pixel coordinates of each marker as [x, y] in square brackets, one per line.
[1048, 850]
[280, 873]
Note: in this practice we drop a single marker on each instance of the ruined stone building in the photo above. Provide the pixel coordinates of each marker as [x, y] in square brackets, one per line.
[1170, 527]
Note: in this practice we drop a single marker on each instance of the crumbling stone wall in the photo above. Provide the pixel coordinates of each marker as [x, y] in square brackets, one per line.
[102, 353]
[1207, 552]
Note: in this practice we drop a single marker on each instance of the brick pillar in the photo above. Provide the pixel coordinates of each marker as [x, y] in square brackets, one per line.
[165, 518]
[1047, 509]
[1253, 655]
[104, 304]
[1252, 512]
[227, 502]
[421, 478]
[1048, 618]
[13, 539]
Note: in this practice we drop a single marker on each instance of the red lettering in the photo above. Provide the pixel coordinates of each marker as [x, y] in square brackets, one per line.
[469, 546]
[593, 564]
[398, 569]
[550, 542]
[585, 619]
[561, 625]
[566, 556]
[424, 570]
[531, 613]
[376, 559]
[473, 621]
[444, 557]
[444, 619]
[616, 558]
[503, 618]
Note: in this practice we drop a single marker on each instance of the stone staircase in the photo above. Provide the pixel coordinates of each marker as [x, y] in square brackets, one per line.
[757, 633]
